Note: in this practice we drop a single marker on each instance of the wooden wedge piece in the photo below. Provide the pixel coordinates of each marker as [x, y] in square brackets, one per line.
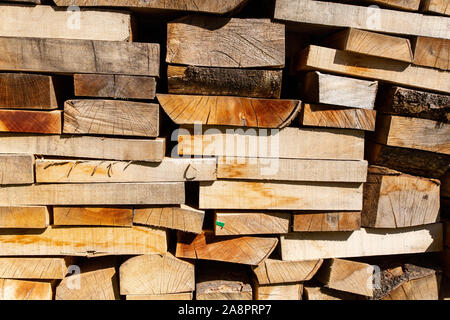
[24, 217]
[34, 268]
[83, 241]
[395, 200]
[223, 42]
[13, 289]
[272, 271]
[426, 288]
[324, 293]
[224, 81]
[156, 274]
[90, 171]
[290, 291]
[432, 52]
[229, 111]
[84, 147]
[250, 222]
[16, 169]
[364, 242]
[234, 194]
[183, 218]
[79, 56]
[47, 122]
[326, 221]
[114, 86]
[243, 250]
[111, 117]
[92, 216]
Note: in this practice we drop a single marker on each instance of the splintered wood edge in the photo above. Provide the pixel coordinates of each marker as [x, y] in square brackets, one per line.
[384, 171]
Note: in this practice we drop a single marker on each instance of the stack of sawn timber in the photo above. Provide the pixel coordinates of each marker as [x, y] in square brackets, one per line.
[86, 173]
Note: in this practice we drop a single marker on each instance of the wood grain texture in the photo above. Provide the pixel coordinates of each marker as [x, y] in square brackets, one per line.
[79, 56]
[372, 44]
[207, 6]
[436, 6]
[48, 22]
[222, 282]
[348, 276]
[111, 117]
[412, 161]
[42, 268]
[235, 194]
[394, 200]
[409, 5]
[326, 221]
[431, 52]
[243, 250]
[426, 288]
[24, 217]
[156, 274]
[247, 223]
[47, 122]
[289, 142]
[183, 218]
[92, 216]
[414, 133]
[337, 117]
[93, 194]
[364, 242]
[92, 171]
[84, 241]
[372, 19]
[330, 89]
[229, 111]
[98, 280]
[84, 147]
[27, 91]
[373, 68]
[291, 169]
[413, 103]
[16, 169]
[13, 289]
[114, 86]
[226, 42]
[324, 293]
[165, 297]
[272, 271]
[291, 291]
[255, 83]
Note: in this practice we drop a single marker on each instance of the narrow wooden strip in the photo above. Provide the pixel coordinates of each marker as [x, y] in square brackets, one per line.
[229, 111]
[111, 117]
[47, 122]
[291, 169]
[24, 217]
[235, 194]
[367, 18]
[84, 147]
[410, 5]
[436, 6]
[247, 223]
[327, 221]
[83, 241]
[330, 89]
[47, 22]
[114, 86]
[79, 56]
[291, 291]
[372, 44]
[165, 297]
[364, 242]
[92, 216]
[34, 268]
[183, 218]
[432, 52]
[223, 42]
[394, 200]
[93, 194]
[27, 91]
[374, 68]
[224, 81]
[16, 169]
[413, 103]
[337, 117]
[90, 171]
[243, 250]
[324, 293]
[273, 271]
[12, 289]
[289, 142]
[156, 274]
